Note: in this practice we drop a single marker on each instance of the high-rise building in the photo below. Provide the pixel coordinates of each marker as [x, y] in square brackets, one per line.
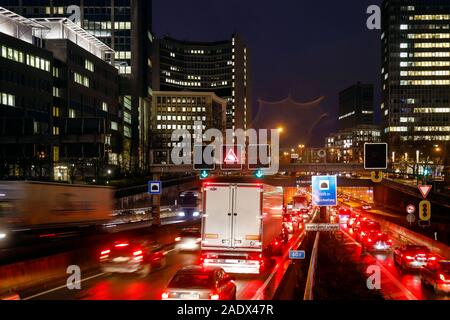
[356, 106]
[416, 77]
[125, 26]
[221, 67]
[347, 145]
[59, 106]
[184, 110]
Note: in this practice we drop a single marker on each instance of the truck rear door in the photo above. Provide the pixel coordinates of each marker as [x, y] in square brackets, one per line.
[217, 220]
[247, 202]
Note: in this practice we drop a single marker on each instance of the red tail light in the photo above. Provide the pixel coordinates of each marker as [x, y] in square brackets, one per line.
[105, 252]
[214, 296]
[165, 295]
[432, 258]
[121, 245]
[137, 253]
[409, 258]
[177, 239]
[369, 240]
[442, 277]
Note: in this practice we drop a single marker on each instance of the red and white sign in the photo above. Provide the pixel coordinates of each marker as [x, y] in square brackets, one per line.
[425, 191]
[231, 157]
[411, 209]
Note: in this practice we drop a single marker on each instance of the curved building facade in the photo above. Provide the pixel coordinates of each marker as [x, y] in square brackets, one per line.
[221, 67]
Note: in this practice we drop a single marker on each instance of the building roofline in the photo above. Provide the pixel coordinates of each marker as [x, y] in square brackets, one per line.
[199, 43]
[20, 19]
[191, 94]
[78, 30]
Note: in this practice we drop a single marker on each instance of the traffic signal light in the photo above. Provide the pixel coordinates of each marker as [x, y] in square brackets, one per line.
[259, 174]
[204, 174]
[375, 156]
[425, 210]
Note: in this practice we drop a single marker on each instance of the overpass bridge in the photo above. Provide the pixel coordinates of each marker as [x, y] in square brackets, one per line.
[325, 168]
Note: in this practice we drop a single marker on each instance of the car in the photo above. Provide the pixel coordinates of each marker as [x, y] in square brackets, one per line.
[344, 215]
[137, 256]
[189, 239]
[409, 257]
[353, 218]
[437, 275]
[201, 283]
[376, 241]
[365, 227]
[346, 199]
[367, 207]
[290, 223]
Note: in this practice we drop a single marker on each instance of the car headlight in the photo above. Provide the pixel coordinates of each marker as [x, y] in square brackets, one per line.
[2, 235]
[196, 214]
[181, 214]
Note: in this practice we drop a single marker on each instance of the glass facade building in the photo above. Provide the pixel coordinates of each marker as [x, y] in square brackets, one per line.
[416, 77]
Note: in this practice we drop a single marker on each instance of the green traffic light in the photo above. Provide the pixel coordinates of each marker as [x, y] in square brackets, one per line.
[259, 174]
[204, 174]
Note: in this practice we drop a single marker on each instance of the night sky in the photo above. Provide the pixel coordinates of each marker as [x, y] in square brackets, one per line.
[308, 49]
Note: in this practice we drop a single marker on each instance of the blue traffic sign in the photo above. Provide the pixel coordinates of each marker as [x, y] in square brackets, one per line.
[154, 187]
[297, 255]
[324, 191]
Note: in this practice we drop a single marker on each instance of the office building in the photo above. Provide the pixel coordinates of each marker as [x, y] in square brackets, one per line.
[183, 111]
[221, 67]
[59, 110]
[125, 26]
[416, 77]
[356, 106]
[347, 146]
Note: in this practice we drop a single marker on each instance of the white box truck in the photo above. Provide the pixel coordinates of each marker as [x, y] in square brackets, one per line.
[38, 206]
[240, 225]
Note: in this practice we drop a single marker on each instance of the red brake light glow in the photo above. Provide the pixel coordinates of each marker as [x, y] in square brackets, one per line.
[105, 252]
[137, 253]
[121, 245]
[442, 277]
[177, 239]
[214, 297]
[165, 295]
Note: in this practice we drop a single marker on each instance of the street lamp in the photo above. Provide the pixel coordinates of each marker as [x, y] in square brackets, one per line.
[280, 129]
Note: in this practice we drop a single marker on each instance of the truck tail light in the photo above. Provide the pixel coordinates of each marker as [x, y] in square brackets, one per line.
[214, 296]
[165, 295]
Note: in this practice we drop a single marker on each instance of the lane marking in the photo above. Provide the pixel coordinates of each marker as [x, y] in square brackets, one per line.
[394, 280]
[260, 291]
[64, 286]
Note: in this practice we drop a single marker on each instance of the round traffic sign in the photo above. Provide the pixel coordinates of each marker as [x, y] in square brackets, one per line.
[411, 218]
[411, 209]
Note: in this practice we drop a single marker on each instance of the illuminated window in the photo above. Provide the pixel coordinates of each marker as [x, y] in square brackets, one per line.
[7, 99]
[78, 78]
[56, 131]
[89, 65]
[72, 113]
[105, 106]
[114, 126]
[55, 112]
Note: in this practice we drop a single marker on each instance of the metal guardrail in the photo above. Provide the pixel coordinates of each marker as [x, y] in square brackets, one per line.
[312, 271]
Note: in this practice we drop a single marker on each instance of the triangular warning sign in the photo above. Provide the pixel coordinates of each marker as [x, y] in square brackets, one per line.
[231, 157]
[425, 191]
